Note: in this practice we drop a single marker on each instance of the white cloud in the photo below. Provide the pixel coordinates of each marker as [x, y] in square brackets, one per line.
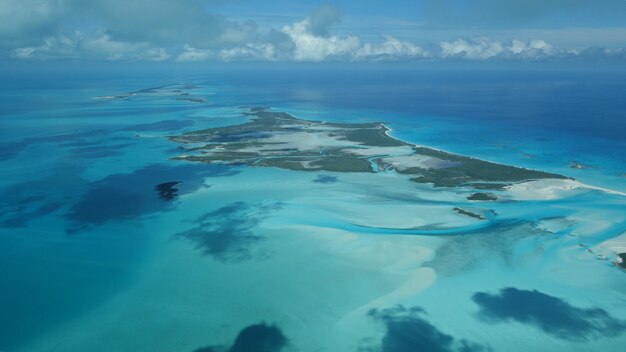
[154, 29]
[193, 54]
[23, 53]
[104, 46]
[532, 49]
[95, 46]
[595, 53]
[311, 47]
[251, 51]
[236, 33]
[483, 48]
[50, 48]
[391, 48]
[157, 54]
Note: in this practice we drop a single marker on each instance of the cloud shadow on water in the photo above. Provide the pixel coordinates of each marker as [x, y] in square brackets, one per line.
[325, 179]
[409, 331]
[254, 338]
[227, 233]
[550, 314]
[9, 150]
[126, 196]
[29, 200]
[99, 151]
[23, 217]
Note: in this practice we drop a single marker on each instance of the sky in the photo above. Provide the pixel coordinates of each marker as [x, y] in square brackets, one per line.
[179, 31]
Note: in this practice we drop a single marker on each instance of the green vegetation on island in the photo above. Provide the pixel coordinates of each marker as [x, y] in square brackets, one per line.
[483, 196]
[277, 139]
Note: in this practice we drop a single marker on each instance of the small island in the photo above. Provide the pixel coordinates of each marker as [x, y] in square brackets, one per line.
[469, 213]
[621, 260]
[480, 196]
[277, 139]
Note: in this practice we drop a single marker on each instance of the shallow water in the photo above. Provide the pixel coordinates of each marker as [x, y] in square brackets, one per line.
[93, 257]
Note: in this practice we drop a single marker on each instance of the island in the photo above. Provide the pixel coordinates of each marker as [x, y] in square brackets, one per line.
[278, 139]
[175, 91]
[469, 213]
[621, 260]
[479, 196]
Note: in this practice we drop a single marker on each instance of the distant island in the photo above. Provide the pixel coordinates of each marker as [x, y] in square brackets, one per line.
[277, 139]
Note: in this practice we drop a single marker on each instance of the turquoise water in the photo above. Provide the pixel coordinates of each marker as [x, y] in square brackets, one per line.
[93, 257]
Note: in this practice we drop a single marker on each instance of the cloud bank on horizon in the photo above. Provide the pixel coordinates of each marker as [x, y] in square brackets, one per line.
[281, 30]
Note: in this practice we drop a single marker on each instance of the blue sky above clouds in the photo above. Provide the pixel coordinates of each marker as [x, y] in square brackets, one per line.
[283, 30]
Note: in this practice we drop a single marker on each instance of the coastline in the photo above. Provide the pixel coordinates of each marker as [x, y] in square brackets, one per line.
[279, 139]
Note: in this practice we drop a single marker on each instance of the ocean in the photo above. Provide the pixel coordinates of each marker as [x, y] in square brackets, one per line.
[107, 243]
